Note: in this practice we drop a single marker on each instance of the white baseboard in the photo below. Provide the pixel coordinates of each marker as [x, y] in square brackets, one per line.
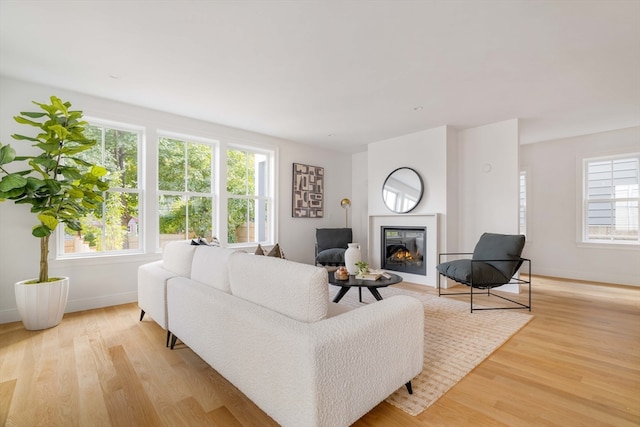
[11, 314]
[606, 277]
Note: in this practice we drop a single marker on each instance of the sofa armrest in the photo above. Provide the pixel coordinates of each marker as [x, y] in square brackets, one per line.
[366, 354]
[152, 291]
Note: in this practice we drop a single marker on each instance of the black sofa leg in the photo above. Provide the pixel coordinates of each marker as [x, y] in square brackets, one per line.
[409, 388]
[173, 341]
[141, 314]
[168, 337]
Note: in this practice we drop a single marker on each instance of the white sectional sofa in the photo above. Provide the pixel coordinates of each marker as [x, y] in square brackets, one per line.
[267, 325]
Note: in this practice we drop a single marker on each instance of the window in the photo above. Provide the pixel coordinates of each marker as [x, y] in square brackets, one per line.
[185, 188]
[611, 199]
[523, 203]
[249, 196]
[116, 226]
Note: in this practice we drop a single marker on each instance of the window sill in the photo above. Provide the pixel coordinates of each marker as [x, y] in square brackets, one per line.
[120, 258]
[623, 246]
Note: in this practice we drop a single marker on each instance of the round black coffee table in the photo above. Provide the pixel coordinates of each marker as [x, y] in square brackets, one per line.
[372, 285]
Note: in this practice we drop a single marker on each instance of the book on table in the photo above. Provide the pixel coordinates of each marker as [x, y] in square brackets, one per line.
[373, 275]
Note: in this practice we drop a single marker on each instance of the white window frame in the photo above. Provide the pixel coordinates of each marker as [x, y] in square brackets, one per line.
[60, 234]
[271, 154]
[523, 201]
[585, 201]
[215, 178]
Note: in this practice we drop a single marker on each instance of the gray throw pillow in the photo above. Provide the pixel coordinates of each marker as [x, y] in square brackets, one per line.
[334, 256]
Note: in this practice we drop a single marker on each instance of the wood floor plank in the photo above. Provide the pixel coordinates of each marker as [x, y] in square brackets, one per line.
[224, 418]
[133, 403]
[92, 409]
[194, 414]
[576, 363]
[7, 389]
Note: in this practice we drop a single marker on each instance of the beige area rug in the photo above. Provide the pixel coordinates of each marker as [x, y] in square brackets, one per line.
[455, 342]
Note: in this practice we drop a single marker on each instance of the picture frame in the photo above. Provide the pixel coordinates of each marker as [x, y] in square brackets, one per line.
[308, 191]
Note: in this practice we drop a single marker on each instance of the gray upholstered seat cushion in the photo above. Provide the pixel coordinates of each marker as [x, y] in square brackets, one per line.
[484, 274]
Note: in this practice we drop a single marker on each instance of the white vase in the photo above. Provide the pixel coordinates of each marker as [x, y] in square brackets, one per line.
[351, 256]
[41, 305]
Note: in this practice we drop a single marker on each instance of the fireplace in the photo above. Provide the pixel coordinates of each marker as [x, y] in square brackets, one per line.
[403, 249]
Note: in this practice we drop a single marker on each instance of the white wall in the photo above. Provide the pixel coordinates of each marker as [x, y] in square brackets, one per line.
[554, 183]
[426, 152]
[108, 281]
[360, 200]
[471, 183]
[488, 182]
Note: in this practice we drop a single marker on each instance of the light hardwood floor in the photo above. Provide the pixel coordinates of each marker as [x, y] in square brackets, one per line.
[577, 363]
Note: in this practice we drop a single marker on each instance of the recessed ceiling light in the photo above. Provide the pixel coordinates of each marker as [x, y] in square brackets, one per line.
[114, 76]
[418, 108]
[331, 135]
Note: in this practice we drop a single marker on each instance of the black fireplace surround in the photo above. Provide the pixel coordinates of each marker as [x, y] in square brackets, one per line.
[404, 249]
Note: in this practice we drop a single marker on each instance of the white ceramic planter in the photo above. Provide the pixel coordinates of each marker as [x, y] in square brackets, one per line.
[351, 256]
[42, 305]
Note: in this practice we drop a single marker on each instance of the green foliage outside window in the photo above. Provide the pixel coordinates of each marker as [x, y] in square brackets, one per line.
[185, 180]
[108, 227]
[240, 182]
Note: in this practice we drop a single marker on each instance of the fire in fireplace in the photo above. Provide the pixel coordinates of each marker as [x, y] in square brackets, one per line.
[403, 249]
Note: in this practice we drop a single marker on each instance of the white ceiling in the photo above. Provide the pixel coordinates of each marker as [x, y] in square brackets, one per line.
[342, 73]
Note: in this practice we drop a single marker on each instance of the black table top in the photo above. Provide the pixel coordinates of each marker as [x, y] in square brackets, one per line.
[361, 283]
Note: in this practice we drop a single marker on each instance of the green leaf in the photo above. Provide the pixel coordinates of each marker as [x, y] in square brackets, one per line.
[14, 194]
[12, 181]
[81, 162]
[41, 231]
[60, 131]
[49, 147]
[74, 224]
[34, 183]
[24, 121]
[7, 154]
[53, 186]
[70, 173]
[34, 115]
[98, 171]
[22, 137]
[76, 193]
[49, 221]
[47, 162]
[62, 107]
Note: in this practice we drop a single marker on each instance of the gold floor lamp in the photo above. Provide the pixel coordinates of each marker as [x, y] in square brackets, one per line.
[346, 204]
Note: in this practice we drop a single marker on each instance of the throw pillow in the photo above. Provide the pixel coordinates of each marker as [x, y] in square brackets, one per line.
[259, 250]
[276, 252]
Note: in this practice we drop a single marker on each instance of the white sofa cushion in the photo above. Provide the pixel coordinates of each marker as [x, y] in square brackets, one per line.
[299, 291]
[210, 266]
[178, 257]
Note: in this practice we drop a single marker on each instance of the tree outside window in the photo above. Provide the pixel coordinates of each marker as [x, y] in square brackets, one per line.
[248, 201]
[116, 225]
[185, 184]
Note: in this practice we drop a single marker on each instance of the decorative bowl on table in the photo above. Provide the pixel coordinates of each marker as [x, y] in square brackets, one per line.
[341, 274]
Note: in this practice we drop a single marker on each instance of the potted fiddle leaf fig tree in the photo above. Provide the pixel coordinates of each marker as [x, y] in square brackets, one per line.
[61, 188]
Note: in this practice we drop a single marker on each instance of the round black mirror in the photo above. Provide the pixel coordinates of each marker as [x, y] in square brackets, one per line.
[402, 190]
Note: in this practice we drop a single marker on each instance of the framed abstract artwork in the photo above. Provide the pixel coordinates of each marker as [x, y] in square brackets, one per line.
[308, 191]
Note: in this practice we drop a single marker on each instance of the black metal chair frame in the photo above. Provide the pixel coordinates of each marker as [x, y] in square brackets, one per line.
[519, 281]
